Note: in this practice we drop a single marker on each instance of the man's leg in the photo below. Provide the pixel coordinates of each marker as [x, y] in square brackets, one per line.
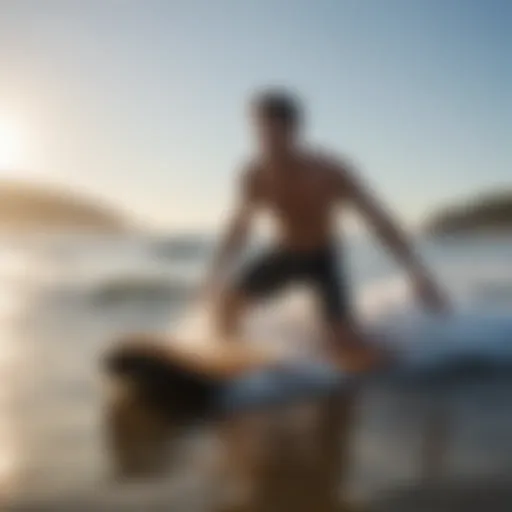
[347, 344]
[262, 278]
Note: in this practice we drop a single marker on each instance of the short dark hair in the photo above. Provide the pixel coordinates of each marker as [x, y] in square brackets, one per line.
[280, 105]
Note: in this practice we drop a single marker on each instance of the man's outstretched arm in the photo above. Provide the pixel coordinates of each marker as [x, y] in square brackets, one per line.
[235, 233]
[392, 235]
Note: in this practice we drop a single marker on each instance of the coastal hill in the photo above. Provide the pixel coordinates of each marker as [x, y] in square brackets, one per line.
[28, 207]
[487, 213]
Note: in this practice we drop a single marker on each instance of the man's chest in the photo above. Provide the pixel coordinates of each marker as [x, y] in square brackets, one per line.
[292, 192]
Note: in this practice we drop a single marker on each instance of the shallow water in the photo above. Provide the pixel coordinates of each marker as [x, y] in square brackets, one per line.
[53, 332]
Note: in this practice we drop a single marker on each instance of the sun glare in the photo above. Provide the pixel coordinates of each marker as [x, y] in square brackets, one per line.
[10, 147]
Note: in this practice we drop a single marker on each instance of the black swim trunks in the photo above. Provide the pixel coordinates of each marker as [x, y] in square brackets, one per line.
[279, 268]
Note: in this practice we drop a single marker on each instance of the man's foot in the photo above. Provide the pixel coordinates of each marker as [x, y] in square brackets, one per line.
[360, 357]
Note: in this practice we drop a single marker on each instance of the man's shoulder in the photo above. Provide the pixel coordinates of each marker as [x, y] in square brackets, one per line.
[335, 166]
[326, 157]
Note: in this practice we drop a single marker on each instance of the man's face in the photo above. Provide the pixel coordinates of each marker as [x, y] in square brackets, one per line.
[273, 135]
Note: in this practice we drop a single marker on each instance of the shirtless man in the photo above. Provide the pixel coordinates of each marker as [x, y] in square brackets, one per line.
[304, 190]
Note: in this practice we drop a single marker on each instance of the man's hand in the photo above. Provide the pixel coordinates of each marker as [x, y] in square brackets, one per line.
[430, 294]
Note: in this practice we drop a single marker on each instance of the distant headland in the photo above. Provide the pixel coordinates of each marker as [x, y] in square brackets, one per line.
[489, 213]
[27, 207]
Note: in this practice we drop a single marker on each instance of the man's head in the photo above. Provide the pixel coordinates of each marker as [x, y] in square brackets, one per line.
[278, 117]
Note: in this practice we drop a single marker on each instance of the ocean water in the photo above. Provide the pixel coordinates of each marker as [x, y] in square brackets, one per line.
[62, 302]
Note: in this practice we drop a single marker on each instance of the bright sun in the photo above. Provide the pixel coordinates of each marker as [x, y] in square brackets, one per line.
[10, 147]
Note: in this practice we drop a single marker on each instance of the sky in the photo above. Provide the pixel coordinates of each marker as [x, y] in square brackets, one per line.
[142, 103]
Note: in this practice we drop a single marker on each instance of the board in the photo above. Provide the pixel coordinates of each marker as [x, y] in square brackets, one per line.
[279, 352]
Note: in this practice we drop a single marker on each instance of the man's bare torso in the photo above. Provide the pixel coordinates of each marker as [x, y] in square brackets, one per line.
[302, 194]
